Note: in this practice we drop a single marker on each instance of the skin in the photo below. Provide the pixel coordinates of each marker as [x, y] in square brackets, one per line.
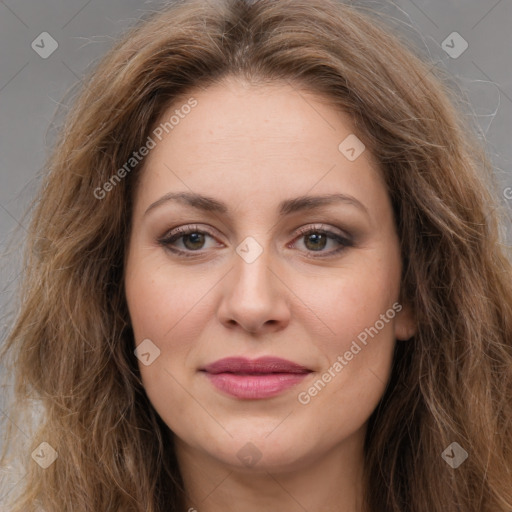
[251, 147]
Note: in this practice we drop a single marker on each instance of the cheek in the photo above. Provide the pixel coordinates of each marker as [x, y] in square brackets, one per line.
[350, 299]
[162, 299]
[166, 309]
[355, 311]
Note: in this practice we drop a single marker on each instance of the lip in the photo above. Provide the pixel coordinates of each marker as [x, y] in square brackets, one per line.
[254, 379]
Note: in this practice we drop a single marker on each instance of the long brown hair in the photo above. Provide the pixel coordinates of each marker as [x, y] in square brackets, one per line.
[71, 345]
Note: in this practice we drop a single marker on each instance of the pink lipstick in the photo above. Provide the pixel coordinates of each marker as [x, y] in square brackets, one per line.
[254, 379]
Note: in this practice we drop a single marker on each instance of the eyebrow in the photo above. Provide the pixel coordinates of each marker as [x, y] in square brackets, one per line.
[286, 207]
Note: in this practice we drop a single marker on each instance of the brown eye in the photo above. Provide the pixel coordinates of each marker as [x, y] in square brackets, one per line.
[317, 239]
[192, 240]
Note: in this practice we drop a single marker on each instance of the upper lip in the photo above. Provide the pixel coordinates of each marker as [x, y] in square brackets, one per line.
[262, 365]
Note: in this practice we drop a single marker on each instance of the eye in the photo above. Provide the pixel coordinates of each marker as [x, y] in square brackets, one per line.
[192, 239]
[316, 238]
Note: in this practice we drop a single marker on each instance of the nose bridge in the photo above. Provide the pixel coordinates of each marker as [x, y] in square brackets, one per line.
[252, 296]
[252, 262]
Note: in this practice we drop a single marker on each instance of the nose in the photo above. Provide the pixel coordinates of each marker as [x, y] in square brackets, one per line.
[254, 297]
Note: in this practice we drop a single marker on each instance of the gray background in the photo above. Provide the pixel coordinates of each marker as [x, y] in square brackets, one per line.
[32, 87]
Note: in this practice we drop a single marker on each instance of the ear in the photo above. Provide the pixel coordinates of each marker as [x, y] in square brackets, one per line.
[405, 324]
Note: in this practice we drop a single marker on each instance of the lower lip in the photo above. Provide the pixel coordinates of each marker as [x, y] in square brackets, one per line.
[255, 386]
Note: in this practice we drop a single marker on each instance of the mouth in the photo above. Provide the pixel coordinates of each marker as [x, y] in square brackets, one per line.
[254, 379]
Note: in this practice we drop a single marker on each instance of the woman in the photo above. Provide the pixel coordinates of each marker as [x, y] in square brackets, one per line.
[264, 273]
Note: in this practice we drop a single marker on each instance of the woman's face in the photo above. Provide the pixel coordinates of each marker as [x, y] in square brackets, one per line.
[251, 264]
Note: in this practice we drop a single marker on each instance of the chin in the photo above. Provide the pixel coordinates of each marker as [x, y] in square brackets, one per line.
[258, 451]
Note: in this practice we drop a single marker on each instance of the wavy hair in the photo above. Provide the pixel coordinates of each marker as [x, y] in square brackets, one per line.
[70, 346]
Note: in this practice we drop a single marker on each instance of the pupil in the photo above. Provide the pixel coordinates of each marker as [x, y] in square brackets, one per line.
[317, 237]
[196, 239]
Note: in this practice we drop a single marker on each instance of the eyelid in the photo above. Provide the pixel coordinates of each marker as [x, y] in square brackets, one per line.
[185, 230]
[314, 227]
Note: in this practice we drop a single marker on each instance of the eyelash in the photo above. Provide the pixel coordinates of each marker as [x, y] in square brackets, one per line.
[172, 237]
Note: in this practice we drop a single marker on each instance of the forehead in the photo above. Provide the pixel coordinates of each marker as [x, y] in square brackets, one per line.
[236, 114]
[251, 139]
